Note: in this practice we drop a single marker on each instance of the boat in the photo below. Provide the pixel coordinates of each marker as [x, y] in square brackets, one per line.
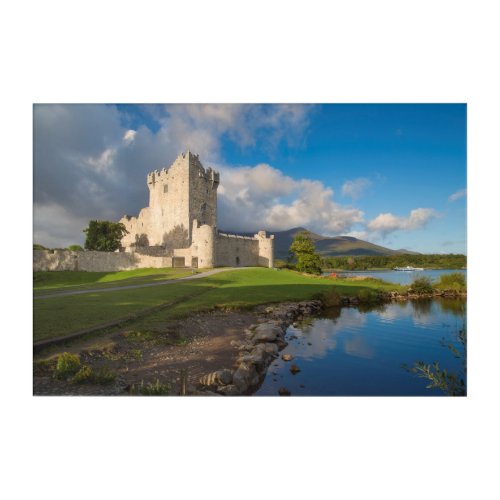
[408, 268]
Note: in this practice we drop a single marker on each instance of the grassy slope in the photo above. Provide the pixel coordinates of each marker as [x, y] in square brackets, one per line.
[62, 280]
[241, 288]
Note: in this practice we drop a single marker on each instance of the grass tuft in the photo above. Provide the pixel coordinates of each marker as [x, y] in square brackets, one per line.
[151, 389]
[67, 366]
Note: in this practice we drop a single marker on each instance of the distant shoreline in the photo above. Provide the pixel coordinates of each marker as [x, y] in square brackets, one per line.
[380, 269]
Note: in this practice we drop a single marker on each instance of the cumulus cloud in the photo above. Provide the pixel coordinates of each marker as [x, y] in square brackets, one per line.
[457, 195]
[387, 223]
[92, 164]
[200, 126]
[252, 198]
[355, 188]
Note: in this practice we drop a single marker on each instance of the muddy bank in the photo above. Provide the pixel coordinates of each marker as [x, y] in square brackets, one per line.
[221, 352]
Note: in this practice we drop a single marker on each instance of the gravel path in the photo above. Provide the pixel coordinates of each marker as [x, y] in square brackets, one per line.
[128, 287]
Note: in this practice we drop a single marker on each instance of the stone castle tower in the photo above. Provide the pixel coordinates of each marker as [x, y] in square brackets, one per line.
[181, 221]
[177, 196]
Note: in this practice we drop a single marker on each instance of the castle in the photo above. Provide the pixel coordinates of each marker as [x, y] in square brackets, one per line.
[181, 222]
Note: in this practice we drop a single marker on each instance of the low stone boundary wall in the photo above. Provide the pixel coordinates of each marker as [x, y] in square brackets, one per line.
[66, 260]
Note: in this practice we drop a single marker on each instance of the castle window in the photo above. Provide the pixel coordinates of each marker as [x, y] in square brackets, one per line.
[165, 188]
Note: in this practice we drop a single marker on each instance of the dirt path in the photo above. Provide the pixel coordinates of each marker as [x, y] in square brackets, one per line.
[129, 287]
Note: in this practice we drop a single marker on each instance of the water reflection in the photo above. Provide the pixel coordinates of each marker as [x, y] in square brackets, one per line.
[348, 351]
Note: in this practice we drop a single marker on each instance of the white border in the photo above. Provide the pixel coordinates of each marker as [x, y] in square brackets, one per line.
[221, 51]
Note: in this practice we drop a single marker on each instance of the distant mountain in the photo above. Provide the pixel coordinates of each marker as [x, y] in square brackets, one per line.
[330, 246]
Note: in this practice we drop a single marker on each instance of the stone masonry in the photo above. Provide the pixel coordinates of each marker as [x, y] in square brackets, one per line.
[181, 221]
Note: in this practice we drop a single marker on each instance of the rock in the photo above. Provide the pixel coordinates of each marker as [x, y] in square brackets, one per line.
[245, 376]
[281, 344]
[286, 357]
[267, 332]
[228, 390]
[294, 369]
[270, 348]
[256, 359]
[283, 391]
[225, 376]
[220, 377]
[245, 346]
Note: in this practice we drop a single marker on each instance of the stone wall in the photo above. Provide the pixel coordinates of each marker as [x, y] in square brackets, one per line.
[235, 251]
[65, 260]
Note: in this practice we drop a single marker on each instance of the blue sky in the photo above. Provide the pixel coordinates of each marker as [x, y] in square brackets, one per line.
[388, 173]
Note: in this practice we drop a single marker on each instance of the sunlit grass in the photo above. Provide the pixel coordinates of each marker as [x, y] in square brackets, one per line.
[232, 289]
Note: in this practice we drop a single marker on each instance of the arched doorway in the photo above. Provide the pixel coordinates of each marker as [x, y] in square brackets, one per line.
[237, 261]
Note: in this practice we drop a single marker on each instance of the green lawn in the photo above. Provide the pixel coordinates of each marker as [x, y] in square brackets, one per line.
[240, 288]
[53, 281]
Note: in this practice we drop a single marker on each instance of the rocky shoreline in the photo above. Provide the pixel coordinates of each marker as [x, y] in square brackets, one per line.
[265, 340]
[263, 343]
[224, 353]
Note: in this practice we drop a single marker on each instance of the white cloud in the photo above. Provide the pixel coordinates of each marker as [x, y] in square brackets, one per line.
[88, 163]
[457, 195]
[128, 136]
[355, 189]
[104, 161]
[200, 126]
[360, 235]
[262, 197]
[388, 223]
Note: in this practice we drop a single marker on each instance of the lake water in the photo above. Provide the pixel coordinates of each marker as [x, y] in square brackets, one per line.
[354, 352]
[404, 277]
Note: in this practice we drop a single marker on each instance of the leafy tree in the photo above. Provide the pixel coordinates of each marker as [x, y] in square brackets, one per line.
[308, 261]
[104, 235]
[75, 248]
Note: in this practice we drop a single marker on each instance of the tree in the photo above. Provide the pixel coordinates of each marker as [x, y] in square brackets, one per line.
[104, 235]
[75, 248]
[302, 247]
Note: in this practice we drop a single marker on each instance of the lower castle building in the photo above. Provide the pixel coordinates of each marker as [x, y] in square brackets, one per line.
[181, 222]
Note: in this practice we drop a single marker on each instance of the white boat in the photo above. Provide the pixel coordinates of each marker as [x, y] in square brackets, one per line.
[408, 268]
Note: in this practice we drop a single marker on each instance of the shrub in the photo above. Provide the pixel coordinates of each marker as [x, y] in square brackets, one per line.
[75, 248]
[86, 375]
[452, 281]
[421, 285]
[83, 375]
[104, 376]
[67, 366]
[330, 298]
[153, 389]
